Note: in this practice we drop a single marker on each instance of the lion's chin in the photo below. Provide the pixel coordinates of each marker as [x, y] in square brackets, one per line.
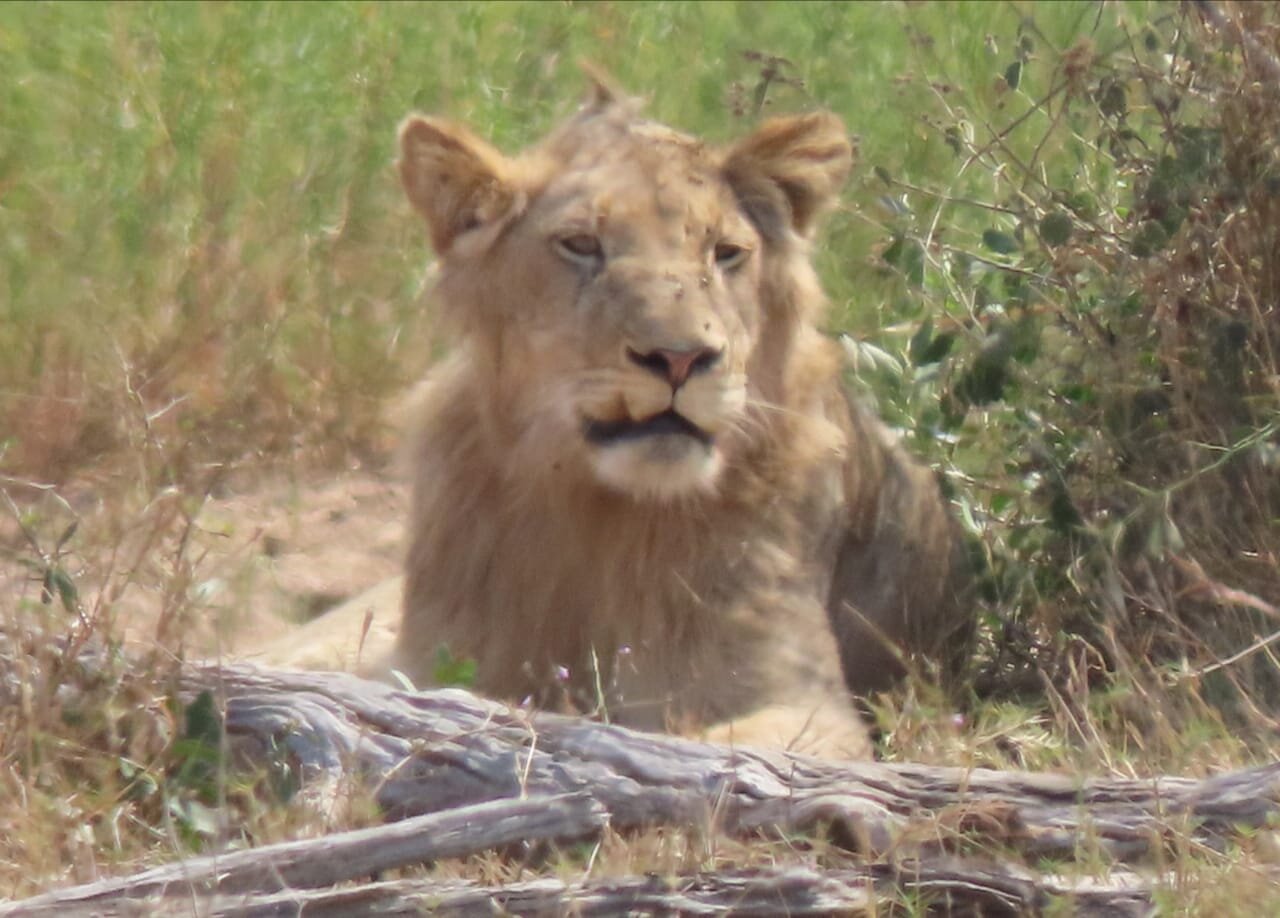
[659, 467]
[662, 457]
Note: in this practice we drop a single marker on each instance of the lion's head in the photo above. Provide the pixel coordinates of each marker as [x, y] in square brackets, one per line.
[627, 288]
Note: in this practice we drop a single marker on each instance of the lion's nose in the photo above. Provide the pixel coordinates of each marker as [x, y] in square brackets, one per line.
[676, 366]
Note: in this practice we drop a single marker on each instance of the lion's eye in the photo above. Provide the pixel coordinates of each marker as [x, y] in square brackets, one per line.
[729, 256]
[581, 248]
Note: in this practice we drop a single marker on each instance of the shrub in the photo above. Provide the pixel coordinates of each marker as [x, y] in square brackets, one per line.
[1084, 334]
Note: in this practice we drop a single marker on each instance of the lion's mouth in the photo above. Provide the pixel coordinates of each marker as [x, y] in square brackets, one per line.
[608, 433]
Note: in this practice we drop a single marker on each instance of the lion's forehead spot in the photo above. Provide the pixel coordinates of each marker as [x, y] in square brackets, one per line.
[648, 168]
[649, 185]
[612, 133]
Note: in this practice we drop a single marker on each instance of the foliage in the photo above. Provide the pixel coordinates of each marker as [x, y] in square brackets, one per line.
[1085, 322]
[202, 239]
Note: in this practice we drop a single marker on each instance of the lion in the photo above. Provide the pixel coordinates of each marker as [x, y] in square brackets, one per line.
[640, 488]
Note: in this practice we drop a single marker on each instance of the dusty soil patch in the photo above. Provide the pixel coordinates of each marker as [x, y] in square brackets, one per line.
[304, 548]
[245, 567]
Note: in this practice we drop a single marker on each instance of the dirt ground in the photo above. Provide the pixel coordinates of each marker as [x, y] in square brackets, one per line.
[239, 573]
[297, 550]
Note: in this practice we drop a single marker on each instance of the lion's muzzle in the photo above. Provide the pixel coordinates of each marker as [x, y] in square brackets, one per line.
[656, 435]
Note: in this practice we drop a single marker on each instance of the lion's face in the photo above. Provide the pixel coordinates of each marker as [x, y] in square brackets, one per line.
[643, 312]
[613, 277]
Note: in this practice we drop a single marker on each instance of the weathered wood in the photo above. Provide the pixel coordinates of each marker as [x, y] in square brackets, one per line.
[340, 857]
[957, 888]
[432, 751]
[952, 886]
[464, 774]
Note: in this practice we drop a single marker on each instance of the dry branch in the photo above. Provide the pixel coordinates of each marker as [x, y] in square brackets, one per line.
[955, 887]
[542, 776]
[341, 857]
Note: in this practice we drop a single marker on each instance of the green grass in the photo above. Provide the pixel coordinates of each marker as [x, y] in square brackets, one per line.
[197, 201]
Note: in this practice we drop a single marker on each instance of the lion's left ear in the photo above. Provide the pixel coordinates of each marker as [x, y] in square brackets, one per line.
[789, 171]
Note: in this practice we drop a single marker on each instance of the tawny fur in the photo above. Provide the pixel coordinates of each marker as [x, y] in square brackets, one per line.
[740, 590]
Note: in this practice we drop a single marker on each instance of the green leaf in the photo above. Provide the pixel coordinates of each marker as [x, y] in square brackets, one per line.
[450, 670]
[1013, 74]
[984, 381]
[1131, 305]
[920, 341]
[1063, 515]
[56, 580]
[1079, 393]
[864, 352]
[1082, 204]
[197, 820]
[203, 721]
[1056, 228]
[998, 241]
[893, 251]
[198, 753]
[1164, 536]
[954, 139]
[67, 534]
[938, 349]
[883, 174]
[1150, 238]
[1024, 339]
[140, 783]
[907, 256]
[1197, 149]
[1112, 99]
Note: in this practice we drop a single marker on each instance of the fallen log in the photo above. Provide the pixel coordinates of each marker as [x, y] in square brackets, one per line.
[431, 751]
[457, 774]
[950, 887]
[337, 858]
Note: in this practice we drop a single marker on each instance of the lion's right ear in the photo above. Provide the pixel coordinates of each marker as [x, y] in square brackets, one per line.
[457, 182]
